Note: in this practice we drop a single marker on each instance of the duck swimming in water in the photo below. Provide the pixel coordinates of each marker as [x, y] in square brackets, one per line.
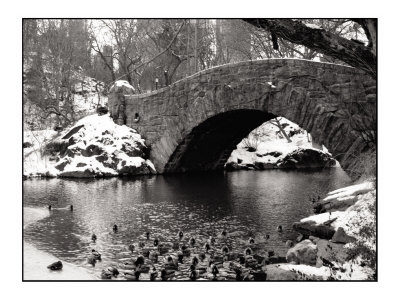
[289, 243]
[214, 271]
[192, 242]
[155, 242]
[96, 254]
[195, 261]
[207, 247]
[94, 238]
[91, 260]
[279, 228]
[153, 275]
[202, 257]
[225, 250]
[251, 240]
[193, 273]
[211, 240]
[267, 237]
[180, 235]
[115, 228]
[224, 233]
[71, 207]
[180, 257]
[248, 251]
[131, 247]
[139, 261]
[49, 207]
[114, 271]
[147, 235]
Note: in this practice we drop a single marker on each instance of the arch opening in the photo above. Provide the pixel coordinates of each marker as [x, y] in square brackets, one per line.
[208, 146]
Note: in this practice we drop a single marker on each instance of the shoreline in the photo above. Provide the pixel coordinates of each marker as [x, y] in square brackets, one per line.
[35, 261]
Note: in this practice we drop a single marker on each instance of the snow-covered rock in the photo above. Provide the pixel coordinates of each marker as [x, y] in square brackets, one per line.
[96, 147]
[304, 252]
[270, 150]
[352, 234]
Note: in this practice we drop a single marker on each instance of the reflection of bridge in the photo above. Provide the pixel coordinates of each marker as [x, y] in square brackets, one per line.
[195, 123]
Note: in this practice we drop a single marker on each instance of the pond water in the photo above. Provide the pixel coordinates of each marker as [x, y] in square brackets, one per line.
[244, 203]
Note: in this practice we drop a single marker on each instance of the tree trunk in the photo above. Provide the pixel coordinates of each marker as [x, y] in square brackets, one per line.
[351, 52]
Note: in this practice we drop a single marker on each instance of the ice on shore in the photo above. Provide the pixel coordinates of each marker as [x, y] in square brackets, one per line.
[36, 261]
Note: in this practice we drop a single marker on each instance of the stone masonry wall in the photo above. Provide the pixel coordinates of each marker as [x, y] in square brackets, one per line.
[330, 101]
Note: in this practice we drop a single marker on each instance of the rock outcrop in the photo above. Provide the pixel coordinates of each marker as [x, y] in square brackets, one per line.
[304, 252]
[97, 147]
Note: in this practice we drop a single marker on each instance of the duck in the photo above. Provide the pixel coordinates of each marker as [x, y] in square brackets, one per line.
[224, 233]
[164, 275]
[153, 256]
[139, 261]
[267, 237]
[153, 275]
[180, 235]
[114, 271]
[251, 240]
[155, 242]
[214, 271]
[212, 241]
[193, 273]
[94, 238]
[225, 250]
[49, 207]
[289, 243]
[105, 274]
[132, 275]
[147, 235]
[279, 228]
[180, 257]
[131, 247]
[202, 256]
[239, 276]
[96, 254]
[248, 251]
[91, 260]
[192, 242]
[56, 266]
[171, 264]
[242, 260]
[195, 261]
[207, 247]
[71, 207]
[115, 228]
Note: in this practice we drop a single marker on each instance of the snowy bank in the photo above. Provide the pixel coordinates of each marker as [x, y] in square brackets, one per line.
[340, 244]
[94, 147]
[269, 149]
[36, 261]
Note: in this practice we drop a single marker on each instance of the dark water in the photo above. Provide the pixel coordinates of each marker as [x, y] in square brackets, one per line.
[198, 204]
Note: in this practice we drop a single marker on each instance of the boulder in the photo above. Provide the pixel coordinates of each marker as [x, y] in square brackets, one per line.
[311, 228]
[263, 165]
[304, 252]
[330, 251]
[306, 158]
[231, 166]
[342, 237]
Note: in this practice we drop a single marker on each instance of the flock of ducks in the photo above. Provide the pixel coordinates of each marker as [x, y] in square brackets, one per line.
[138, 266]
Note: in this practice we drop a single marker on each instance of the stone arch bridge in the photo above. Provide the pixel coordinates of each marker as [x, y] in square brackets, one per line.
[195, 123]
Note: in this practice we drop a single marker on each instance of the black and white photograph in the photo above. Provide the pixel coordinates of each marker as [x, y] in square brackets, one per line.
[199, 149]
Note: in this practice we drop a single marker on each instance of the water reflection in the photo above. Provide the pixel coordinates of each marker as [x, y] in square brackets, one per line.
[162, 205]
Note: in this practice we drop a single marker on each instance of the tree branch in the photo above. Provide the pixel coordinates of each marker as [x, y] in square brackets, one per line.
[353, 53]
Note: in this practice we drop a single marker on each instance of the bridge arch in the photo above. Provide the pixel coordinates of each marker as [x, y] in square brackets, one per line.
[195, 123]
